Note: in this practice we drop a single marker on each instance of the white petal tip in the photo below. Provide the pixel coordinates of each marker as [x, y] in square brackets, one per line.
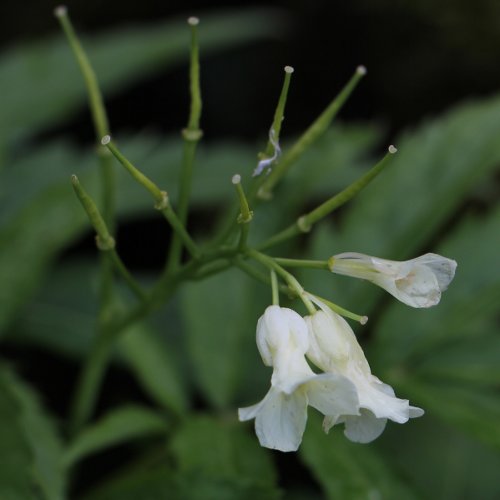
[289, 69]
[106, 140]
[60, 11]
[392, 149]
[236, 179]
[361, 70]
[193, 21]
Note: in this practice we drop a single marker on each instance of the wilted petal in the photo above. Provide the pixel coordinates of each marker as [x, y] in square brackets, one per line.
[417, 282]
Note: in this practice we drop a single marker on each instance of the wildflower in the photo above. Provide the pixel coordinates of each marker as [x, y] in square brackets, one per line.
[333, 347]
[280, 418]
[417, 282]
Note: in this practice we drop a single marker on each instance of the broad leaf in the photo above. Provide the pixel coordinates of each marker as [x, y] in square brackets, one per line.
[349, 470]
[31, 447]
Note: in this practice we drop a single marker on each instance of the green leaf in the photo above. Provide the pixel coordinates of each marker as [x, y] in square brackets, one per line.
[117, 427]
[349, 470]
[473, 409]
[435, 169]
[162, 484]
[444, 463]
[217, 314]
[154, 367]
[221, 449]
[30, 444]
[467, 309]
[40, 82]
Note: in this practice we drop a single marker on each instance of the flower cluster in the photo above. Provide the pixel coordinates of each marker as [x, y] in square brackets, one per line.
[346, 392]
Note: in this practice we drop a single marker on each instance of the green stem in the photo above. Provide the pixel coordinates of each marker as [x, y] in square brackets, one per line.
[258, 275]
[274, 288]
[312, 264]
[315, 130]
[180, 230]
[192, 135]
[271, 264]
[127, 277]
[96, 102]
[246, 214]
[344, 312]
[305, 222]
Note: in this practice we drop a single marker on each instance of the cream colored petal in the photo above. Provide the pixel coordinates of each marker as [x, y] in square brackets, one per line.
[333, 395]
[281, 420]
[364, 428]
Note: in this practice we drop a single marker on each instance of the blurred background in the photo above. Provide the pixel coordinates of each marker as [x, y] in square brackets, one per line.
[432, 89]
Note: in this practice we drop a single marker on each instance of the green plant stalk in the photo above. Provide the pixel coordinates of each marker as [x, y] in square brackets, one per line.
[192, 135]
[280, 111]
[274, 288]
[160, 197]
[259, 275]
[315, 130]
[245, 216]
[263, 186]
[98, 112]
[344, 312]
[305, 222]
[105, 242]
[271, 264]
[311, 264]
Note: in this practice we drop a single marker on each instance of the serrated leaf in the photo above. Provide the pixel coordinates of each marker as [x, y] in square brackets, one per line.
[40, 82]
[37, 457]
[221, 449]
[116, 427]
[349, 470]
[154, 367]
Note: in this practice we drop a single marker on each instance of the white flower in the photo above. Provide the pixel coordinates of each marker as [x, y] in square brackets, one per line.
[334, 348]
[417, 282]
[280, 418]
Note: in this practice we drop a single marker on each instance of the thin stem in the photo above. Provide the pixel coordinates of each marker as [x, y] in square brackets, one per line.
[274, 287]
[270, 263]
[159, 196]
[192, 135]
[127, 277]
[258, 275]
[246, 214]
[180, 230]
[96, 102]
[312, 264]
[315, 130]
[343, 312]
[305, 222]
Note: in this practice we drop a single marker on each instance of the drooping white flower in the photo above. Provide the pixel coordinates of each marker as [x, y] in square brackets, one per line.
[417, 282]
[334, 348]
[280, 418]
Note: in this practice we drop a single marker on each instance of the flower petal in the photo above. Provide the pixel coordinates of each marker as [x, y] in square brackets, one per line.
[333, 395]
[281, 420]
[364, 428]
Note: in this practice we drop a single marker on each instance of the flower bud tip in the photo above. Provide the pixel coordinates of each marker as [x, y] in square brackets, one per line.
[361, 70]
[60, 11]
[74, 179]
[289, 69]
[363, 320]
[106, 140]
[193, 21]
[392, 149]
[236, 179]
